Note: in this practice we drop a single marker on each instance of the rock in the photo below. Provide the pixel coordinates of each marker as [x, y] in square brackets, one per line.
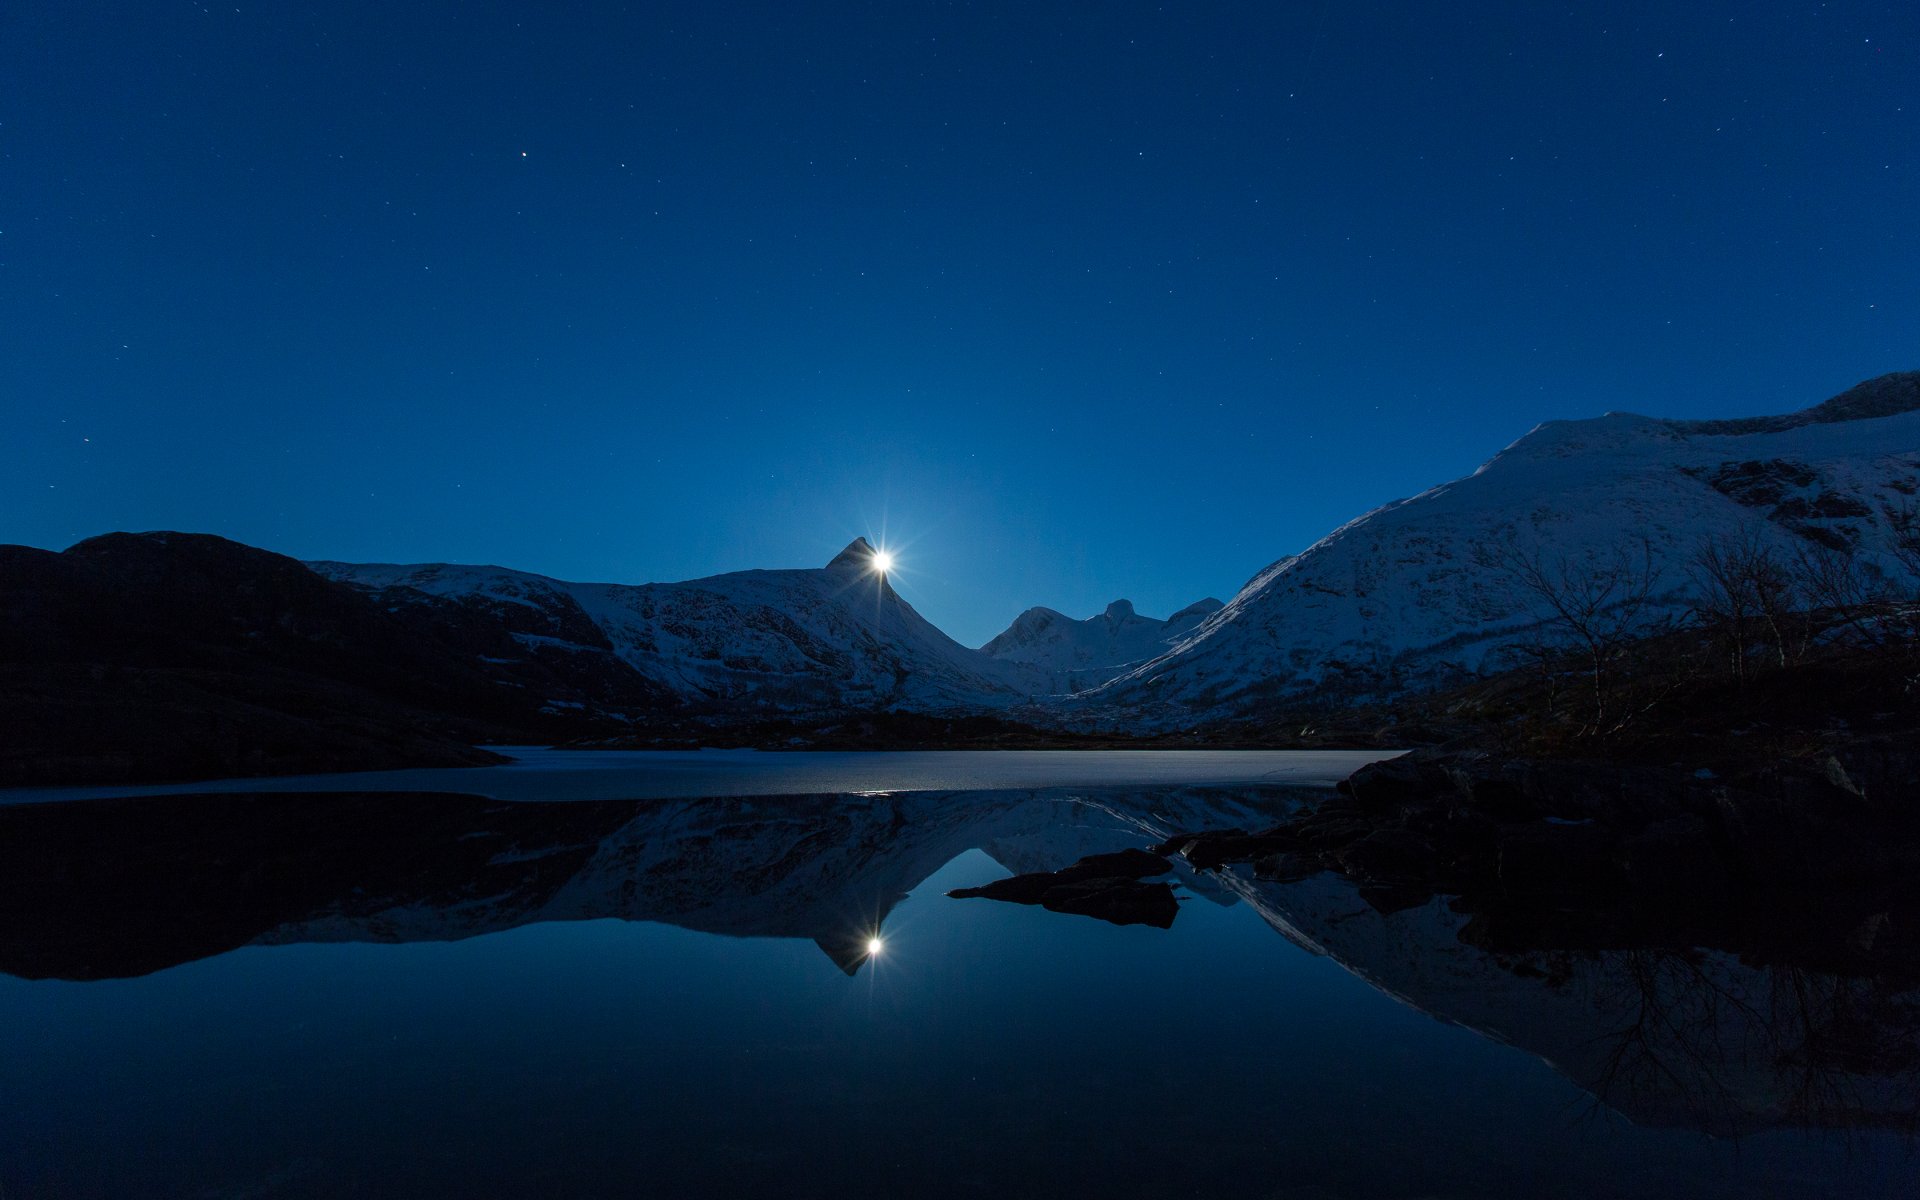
[1179, 843]
[1390, 856]
[1677, 857]
[1885, 770]
[1127, 864]
[1793, 827]
[1287, 867]
[1207, 851]
[1116, 901]
[1330, 832]
[1416, 777]
[1836, 773]
[1030, 888]
[1865, 934]
[1502, 799]
[1547, 859]
[1392, 898]
[1460, 829]
[1106, 886]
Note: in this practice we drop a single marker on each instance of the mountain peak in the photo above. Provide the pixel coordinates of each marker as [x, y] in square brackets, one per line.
[1882, 396]
[858, 556]
[1120, 610]
[1197, 611]
[1886, 395]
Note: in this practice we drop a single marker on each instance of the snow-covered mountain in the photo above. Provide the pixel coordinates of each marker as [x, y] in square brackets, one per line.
[833, 638]
[1076, 655]
[1404, 596]
[1407, 596]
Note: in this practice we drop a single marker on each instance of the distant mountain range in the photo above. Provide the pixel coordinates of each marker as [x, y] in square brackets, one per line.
[1077, 655]
[169, 655]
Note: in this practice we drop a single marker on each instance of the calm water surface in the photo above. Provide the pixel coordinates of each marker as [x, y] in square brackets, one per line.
[377, 995]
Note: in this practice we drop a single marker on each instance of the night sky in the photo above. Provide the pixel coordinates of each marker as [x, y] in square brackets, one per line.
[1070, 301]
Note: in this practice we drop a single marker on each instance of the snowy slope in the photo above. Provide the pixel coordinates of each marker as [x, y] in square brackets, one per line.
[1398, 598]
[1081, 654]
[834, 638]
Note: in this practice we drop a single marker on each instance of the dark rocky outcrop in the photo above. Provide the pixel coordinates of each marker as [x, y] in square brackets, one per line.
[1106, 886]
[1598, 854]
[149, 657]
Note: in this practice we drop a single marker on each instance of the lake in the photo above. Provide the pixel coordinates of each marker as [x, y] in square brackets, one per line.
[739, 976]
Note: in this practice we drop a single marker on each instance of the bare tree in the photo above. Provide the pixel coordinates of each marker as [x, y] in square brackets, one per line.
[1744, 591]
[1540, 654]
[1723, 604]
[1905, 617]
[1904, 520]
[1844, 595]
[1593, 607]
[1902, 618]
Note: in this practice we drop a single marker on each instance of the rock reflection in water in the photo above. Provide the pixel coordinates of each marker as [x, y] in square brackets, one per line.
[1693, 1038]
[1109, 887]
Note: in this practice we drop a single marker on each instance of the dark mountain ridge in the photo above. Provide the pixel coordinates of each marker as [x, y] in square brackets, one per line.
[159, 656]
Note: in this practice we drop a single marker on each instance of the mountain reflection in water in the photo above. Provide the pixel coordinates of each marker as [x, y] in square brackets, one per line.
[111, 888]
[1692, 1039]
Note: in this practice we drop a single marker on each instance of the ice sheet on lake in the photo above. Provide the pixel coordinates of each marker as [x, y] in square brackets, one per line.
[545, 774]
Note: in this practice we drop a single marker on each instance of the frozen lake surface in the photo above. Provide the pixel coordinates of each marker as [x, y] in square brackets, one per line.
[539, 773]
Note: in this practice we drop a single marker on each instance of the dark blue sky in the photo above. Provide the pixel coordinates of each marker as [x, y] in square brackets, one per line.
[1073, 301]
